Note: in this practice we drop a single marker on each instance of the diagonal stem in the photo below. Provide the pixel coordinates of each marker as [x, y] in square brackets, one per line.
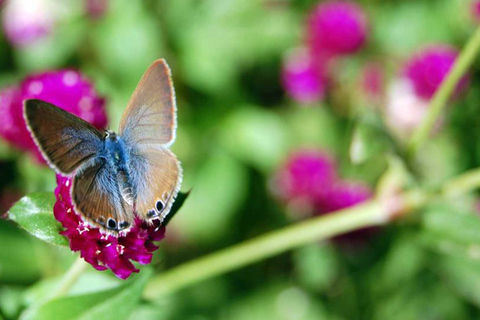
[372, 213]
[437, 104]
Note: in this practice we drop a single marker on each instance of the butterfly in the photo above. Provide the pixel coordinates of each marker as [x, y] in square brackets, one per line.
[116, 177]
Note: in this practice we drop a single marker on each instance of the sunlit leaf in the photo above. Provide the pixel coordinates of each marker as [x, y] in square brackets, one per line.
[113, 304]
[34, 213]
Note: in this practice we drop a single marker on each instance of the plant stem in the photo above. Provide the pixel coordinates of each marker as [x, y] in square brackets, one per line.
[437, 104]
[372, 213]
[69, 279]
[462, 184]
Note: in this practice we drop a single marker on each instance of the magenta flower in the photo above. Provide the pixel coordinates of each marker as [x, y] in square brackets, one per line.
[67, 89]
[342, 194]
[27, 21]
[337, 28]
[303, 78]
[306, 174]
[427, 69]
[101, 250]
[310, 177]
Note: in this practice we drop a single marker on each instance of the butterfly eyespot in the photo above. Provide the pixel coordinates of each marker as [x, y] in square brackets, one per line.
[123, 225]
[151, 213]
[111, 224]
[159, 206]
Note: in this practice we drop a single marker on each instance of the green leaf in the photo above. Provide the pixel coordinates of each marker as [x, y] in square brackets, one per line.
[181, 197]
[34, 213]
[452, 226]
[463, 275]
[114, 304]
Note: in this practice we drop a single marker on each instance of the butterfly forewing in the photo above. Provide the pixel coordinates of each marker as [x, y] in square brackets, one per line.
[66, 141]
[97, 197]
[150, 118]
[157, 180]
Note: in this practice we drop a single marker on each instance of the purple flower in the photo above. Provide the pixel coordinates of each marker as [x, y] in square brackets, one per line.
[427, 69]
[96, 9]
[101, 250]
[26, 21]
[67, 89]
[310, 177]
[336, 28]
[342, 194]
[303, 78]
[306, 174]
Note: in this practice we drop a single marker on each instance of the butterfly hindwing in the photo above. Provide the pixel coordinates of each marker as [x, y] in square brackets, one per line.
[96, 195]
[65, 140]
[157, 179]
[150, 118]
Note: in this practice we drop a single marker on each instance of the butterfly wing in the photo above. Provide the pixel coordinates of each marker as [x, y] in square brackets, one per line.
[97, 197]
[150, 118]
[157, 177]
[65, 140]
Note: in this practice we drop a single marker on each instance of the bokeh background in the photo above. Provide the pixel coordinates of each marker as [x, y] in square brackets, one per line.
[287, 109]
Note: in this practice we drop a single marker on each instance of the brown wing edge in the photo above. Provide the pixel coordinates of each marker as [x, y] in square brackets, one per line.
[26, 118]
[167, 71]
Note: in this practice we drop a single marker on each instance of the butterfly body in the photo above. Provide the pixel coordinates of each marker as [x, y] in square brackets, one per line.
[116, 177]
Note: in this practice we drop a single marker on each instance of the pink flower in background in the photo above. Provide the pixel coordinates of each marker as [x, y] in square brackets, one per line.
[96, 9]
[343, 194]
[306, 174]
[427, 69]
[100, 250]
[337, 28]
[372, 81]
[302, 77]
[404, 109]
[67, 89]
[310, 177]
[26, 21]
[476, 10]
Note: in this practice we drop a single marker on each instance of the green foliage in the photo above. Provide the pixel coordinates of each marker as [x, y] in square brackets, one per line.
[117, 303]
[34, 213]
[236, 127]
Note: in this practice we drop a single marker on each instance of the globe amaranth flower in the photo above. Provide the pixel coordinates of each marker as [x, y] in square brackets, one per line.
[101, 250]
[428, 67]
[336, 28]
[27, 21]
[67, 89]
[303, 77]
[310, 176]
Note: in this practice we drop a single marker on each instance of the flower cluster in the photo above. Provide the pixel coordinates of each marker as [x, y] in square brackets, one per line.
[67, 89]
[104, 251]
[309, 179]
[334, 29]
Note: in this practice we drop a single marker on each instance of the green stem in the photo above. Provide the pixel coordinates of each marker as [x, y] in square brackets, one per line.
[462, 184]
[437, 104]
[372, 213]
[69, 279]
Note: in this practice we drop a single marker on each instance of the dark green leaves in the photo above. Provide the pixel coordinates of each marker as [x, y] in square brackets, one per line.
[114, 304]
[34, 213]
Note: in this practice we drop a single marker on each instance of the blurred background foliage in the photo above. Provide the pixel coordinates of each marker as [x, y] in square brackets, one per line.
[237, 128]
